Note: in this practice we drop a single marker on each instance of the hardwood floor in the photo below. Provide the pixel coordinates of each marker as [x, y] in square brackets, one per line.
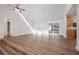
[37, 45]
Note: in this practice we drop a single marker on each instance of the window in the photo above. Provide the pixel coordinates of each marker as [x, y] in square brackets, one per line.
[54, 28]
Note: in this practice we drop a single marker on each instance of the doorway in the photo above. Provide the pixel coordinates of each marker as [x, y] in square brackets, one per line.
[7, 27]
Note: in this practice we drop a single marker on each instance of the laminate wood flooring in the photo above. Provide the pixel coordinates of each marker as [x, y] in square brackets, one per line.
[37, 45]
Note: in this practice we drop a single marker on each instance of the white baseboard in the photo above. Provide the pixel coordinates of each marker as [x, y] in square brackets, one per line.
[21, 34]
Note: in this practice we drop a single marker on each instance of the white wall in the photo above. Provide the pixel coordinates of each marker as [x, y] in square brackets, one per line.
[77, 46]
[39, 16]
[3, 13]
[44, 25]
[18, 25]
[77, 42]
[1, 30]
[64, 27]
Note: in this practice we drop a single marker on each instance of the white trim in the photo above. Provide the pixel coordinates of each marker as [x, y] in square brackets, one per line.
[77, 48]
[21, 34]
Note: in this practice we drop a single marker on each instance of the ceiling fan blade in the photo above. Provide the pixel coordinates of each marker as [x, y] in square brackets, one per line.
[16, 6]
[22, 9]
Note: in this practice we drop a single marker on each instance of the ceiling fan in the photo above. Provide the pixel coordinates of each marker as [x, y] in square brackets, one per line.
[17, 7]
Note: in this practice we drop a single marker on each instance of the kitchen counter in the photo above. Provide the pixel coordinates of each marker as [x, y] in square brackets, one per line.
[71, 28]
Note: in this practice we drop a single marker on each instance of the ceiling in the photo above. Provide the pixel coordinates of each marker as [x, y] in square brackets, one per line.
[38, 12]
[72, 11]
[42, 12]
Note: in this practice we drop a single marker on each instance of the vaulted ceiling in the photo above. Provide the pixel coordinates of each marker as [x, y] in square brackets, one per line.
[40, 12]
[73, 11]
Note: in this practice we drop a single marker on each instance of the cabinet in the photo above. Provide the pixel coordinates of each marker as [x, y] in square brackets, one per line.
[71, 34]
[69, 21]
[71, 30]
